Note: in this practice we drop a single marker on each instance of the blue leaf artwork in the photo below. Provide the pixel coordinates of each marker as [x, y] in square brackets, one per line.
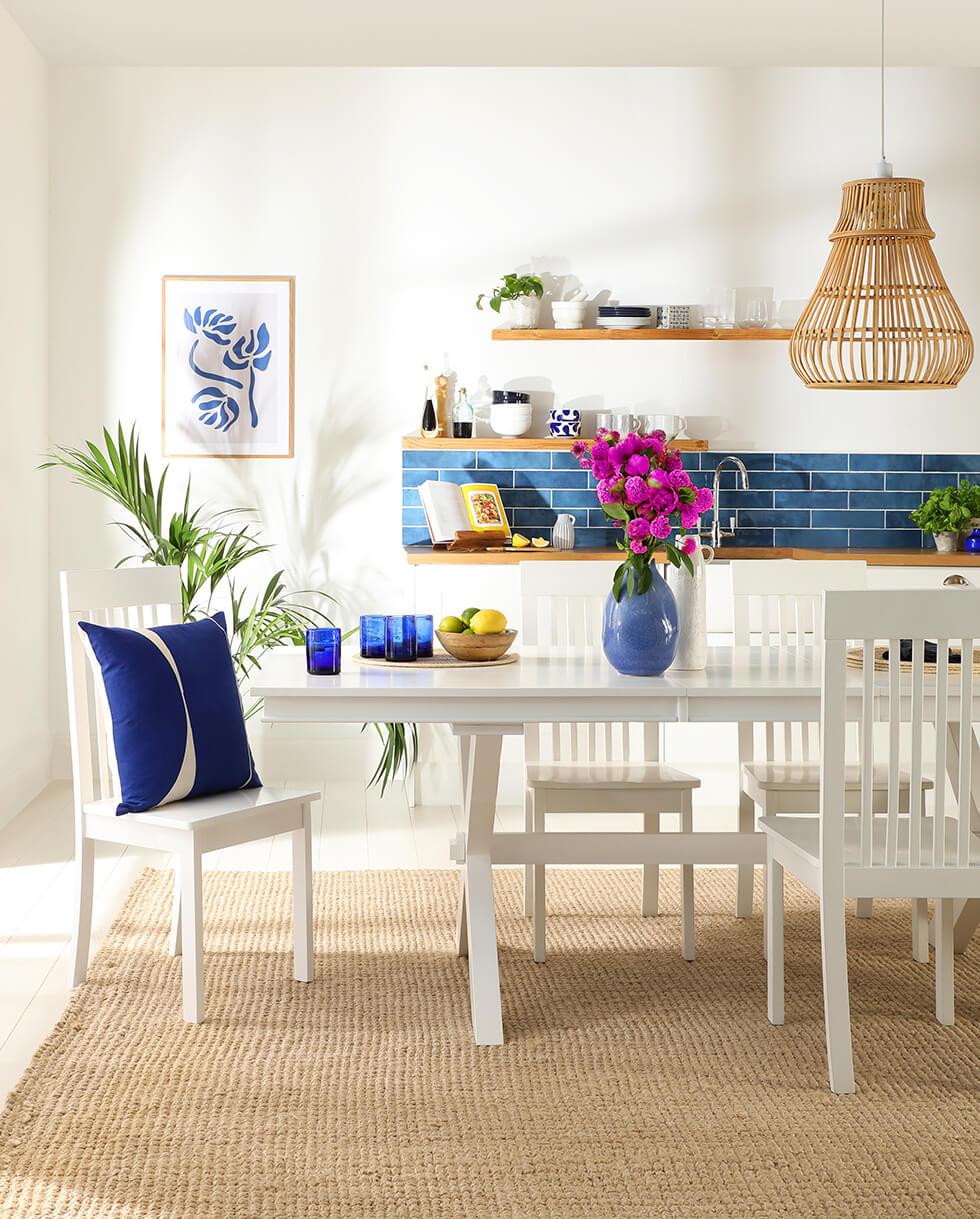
[251, 350]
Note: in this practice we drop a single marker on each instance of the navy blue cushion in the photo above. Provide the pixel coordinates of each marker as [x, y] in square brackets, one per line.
[177, 724]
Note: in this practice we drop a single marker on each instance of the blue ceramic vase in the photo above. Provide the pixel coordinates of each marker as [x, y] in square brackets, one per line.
[639, 633]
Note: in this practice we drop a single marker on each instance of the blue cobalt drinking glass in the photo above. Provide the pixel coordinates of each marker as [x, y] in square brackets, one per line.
[400, 638]
[423, 634]
[373, 635]
[323, 650]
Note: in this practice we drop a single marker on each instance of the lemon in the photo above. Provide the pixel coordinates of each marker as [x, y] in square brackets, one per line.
[452, 625]
[467, 614]
[488, 622]
[519, 541]
[540, 543]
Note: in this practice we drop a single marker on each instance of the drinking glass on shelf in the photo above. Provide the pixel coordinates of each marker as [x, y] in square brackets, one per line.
[787, 314]
[753, 308]
[718, 312]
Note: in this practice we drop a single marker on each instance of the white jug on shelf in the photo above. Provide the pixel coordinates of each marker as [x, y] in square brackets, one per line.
[563, 532]
[690, 593]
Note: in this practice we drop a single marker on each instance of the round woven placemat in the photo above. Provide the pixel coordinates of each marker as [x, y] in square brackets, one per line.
[855, 660]
[439, 660]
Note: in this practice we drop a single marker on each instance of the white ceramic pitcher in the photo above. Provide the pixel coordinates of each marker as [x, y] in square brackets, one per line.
[690, 593]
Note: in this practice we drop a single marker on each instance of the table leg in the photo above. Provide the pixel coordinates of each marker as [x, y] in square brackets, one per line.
[746, 824]
[476, 901]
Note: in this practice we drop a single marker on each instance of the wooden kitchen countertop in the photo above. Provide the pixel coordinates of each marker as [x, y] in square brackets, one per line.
[882, 557]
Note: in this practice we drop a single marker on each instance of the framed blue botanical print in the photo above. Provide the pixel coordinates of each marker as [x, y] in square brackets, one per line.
[228, 365]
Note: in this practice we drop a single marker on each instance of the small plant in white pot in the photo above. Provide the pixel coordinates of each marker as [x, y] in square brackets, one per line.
[517, 299]
[946, 513]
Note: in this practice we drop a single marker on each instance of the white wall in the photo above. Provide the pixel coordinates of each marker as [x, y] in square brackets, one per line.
[23, 405]
[394, 196]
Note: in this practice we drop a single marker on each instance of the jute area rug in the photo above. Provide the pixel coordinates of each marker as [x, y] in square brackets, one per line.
[632, 1084]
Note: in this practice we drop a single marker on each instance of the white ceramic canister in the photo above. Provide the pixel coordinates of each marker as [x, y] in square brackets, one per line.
[690, 593]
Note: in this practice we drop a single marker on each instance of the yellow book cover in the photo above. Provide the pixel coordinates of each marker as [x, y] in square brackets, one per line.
[484, 507]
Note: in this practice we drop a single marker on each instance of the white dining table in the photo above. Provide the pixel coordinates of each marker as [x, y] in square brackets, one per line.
[483, 705]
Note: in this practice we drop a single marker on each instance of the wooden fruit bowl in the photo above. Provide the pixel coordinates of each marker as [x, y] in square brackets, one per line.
[476, 647]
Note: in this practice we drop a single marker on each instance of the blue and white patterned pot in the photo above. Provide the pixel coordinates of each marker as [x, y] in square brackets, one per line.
[563, 421]
[639, 633]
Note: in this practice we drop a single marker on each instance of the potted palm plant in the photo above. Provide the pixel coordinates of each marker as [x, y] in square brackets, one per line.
[517, 299]
[947, 512]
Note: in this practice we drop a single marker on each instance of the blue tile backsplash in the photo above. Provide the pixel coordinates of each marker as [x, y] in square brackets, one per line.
[794, 499]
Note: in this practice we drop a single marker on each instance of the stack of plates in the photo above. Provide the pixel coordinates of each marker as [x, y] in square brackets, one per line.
[623, 317]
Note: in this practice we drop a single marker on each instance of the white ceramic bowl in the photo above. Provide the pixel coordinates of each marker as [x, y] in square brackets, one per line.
[510, 419]
[568, 315]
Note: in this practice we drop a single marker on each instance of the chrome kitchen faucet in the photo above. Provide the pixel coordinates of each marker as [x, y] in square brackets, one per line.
[717, 533]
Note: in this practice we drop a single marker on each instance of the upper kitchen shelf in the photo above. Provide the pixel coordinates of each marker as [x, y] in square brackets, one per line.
[642, 334]
[555, 443]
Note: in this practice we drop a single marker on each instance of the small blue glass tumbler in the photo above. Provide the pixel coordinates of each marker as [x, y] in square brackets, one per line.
[400, 638]
[323, 651]
[373, 636]
[423, 634]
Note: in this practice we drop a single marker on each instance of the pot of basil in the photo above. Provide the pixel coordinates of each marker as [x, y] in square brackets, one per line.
[946, 513]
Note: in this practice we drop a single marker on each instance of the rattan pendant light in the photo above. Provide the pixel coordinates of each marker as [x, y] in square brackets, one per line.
[882, 315]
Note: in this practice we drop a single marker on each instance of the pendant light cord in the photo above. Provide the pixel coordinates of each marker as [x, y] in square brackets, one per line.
[883, 157]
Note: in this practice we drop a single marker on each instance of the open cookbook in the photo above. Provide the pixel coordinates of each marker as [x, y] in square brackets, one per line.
[450, 509]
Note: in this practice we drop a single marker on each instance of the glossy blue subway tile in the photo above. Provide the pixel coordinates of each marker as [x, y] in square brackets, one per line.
[499, 478]
[779, 480]
[544, 518]
[886, 499]
[702, 478]
[904, 538]
[415, 478]
[410, 498]
[415, 537]
[443, 459]
[861, 481]
[584, 498]
[811, 537]
[745, 499]
[810, 499]
[513, 459]
[899, 519]
[564, 461]
[524, 498]
[747, 537]
[886, 461]
[565, 480]
[784, 519]
[751, 461]
[811, 461]
[595, 537]
[692, 461]
[413, 516]
[967, 462]
[599, 520]
[849, 519]
[918, 482]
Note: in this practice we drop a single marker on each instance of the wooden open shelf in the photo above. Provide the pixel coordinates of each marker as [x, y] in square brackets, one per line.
[642, 334]
[560, 444]
[882, 557]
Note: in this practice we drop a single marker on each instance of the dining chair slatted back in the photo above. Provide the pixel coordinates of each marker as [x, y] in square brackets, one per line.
[910, 696]
[128, 597]
[561, 615]
[777, 603]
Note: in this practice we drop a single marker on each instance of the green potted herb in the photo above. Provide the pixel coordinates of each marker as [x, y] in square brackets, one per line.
[516, 298]
[947, 512]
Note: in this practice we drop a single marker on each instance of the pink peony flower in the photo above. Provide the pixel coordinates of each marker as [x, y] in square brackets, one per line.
[660, 527]
[703, 500]
[679, 478]
[663, 500]
[600, 451]
[603, 469]
[672, 460]
[689, 517]
[578, 448]
[638, 528]
[619, 453]
[689, 545]
[636, 490]
[654, 443]
[639, 463]
[606, 492]
[638, 547]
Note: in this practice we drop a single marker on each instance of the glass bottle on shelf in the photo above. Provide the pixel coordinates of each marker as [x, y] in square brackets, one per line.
[430, 424]
[462, 416]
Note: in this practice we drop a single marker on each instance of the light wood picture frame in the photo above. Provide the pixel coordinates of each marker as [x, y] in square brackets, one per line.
[228, 354]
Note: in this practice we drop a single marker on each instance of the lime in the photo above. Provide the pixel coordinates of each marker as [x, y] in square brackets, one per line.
[452, 625]
[467, 614]
[488, 622]
[469, 631]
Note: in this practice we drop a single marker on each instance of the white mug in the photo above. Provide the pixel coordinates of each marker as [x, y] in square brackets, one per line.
[624, 423]
[671, 425]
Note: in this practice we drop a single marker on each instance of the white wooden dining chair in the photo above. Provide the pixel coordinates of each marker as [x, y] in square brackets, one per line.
[777, 603]
[587, 768]
[902, 854]
[142, 598]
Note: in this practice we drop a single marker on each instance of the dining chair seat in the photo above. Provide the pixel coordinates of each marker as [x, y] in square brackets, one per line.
[802, 834]
[207, 812]
[610, 776]
[805, 776]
